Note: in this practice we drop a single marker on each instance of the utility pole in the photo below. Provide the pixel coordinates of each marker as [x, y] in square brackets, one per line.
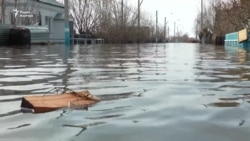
[174, 31]
[15, 17]
[122, 13]
[139, 18]
[156, 28]
[121, 35]
[202, 37]
[15, 3]
[3, 11]
[66, 23]
[165, 26]
[168, 33]
[177, 35]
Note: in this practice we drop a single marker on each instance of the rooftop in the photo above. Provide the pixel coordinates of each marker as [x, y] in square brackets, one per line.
[52, 2]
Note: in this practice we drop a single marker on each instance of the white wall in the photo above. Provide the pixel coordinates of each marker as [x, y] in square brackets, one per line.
[32, 6]
[47, 12]
[58, 30]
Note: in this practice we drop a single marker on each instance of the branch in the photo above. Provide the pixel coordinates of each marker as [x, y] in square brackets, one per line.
[141, 2]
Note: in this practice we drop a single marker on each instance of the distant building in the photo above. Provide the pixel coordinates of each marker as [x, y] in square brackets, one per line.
[48, 14]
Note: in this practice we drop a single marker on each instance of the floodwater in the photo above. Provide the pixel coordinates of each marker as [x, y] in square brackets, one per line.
[173, 92]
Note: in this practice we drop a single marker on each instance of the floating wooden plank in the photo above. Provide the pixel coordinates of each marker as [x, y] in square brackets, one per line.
[47, 103]
[243, 35]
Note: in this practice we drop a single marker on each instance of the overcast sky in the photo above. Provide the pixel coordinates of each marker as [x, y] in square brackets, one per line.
[183, 12]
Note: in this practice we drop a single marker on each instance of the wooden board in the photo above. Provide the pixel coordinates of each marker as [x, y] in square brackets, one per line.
[243, 35]
[47, 103]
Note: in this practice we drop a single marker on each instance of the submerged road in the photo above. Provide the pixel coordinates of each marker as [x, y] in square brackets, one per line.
[149, 92]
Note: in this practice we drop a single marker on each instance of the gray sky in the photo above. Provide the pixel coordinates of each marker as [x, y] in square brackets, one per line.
[183, 13]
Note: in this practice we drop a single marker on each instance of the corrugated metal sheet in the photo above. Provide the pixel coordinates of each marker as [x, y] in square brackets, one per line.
[40, 38]
[39, 34]
[4, 33]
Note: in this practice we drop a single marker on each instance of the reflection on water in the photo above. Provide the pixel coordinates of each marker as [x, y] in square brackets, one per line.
[225, 104]
[84, 127]
[149, 92]
[242, 56]
[20, 126]
[10, 113]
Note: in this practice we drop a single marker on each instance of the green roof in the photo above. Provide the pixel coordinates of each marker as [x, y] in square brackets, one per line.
[52, 2]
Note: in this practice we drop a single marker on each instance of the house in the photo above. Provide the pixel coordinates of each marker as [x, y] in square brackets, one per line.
[44, 18]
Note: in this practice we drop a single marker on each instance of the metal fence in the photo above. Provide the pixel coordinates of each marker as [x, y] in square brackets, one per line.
[86, 39]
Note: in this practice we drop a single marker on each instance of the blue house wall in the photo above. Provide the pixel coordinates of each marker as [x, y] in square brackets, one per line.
[231, 40]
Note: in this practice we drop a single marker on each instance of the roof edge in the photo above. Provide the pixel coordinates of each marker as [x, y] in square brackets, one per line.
[53, 4]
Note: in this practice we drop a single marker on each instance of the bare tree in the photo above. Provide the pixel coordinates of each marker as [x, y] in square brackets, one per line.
[222, 17]
[84, 15]
[115, 21]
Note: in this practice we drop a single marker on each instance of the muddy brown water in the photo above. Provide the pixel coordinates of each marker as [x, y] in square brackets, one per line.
[158, 92]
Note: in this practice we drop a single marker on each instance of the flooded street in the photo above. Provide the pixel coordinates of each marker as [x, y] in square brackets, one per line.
[172, 92]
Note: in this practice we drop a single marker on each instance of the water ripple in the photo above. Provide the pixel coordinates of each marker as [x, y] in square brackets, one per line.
[148, 92]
